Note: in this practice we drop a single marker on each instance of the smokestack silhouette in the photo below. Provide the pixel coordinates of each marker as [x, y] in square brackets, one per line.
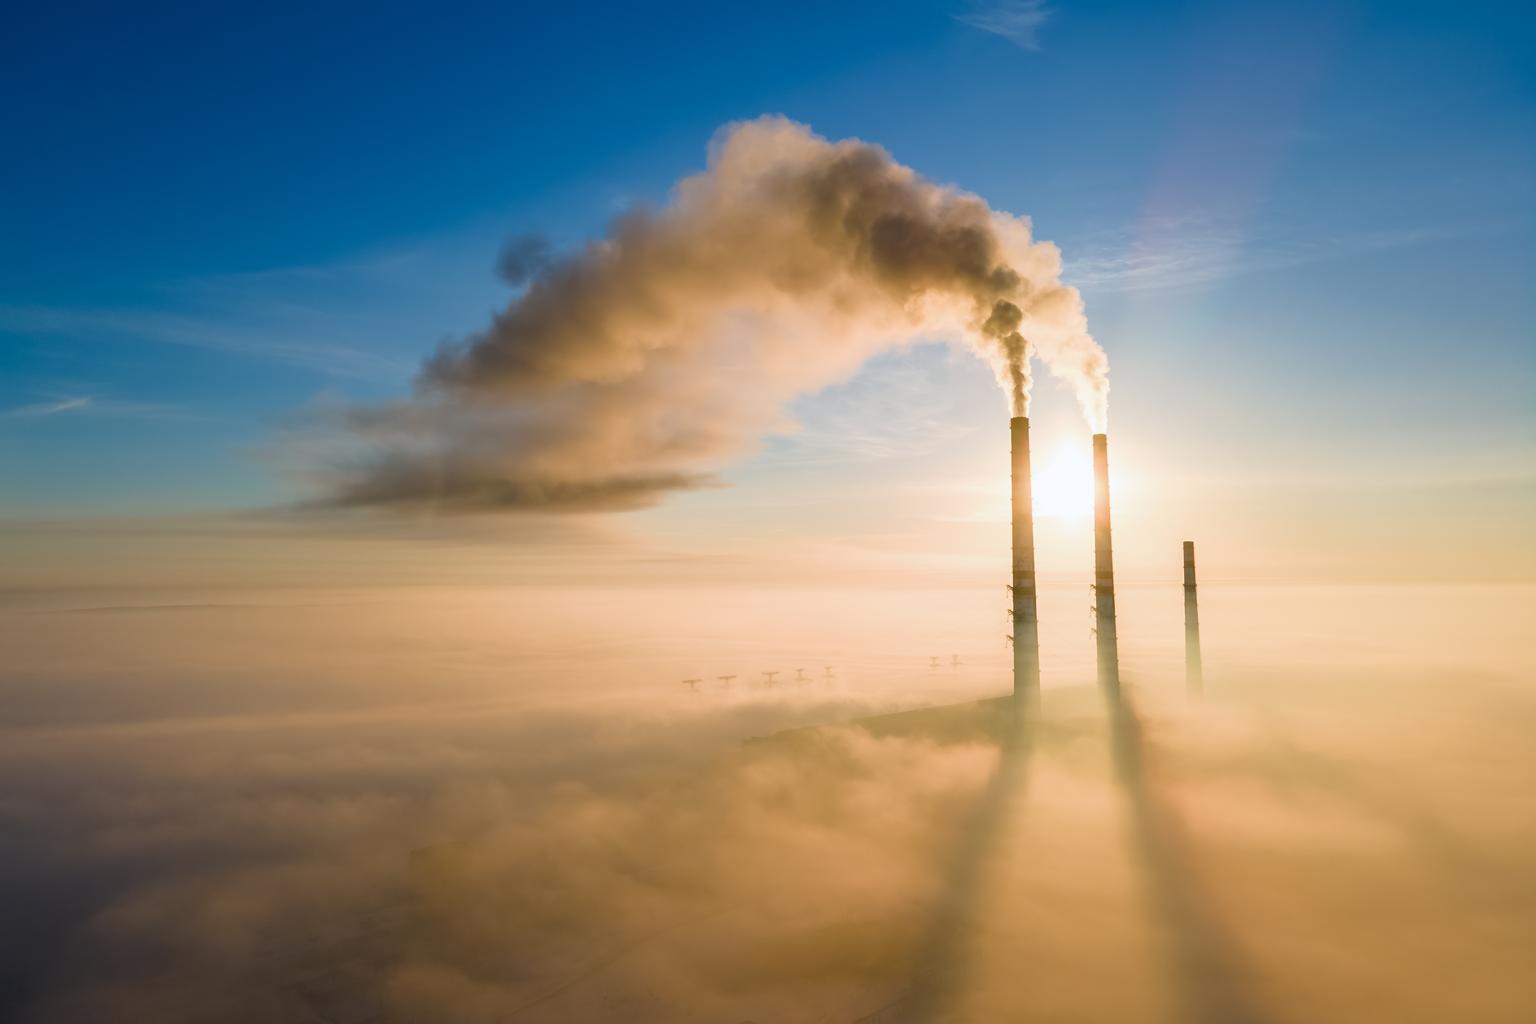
[1026, 622]
[1104, 571]
[1194, 676]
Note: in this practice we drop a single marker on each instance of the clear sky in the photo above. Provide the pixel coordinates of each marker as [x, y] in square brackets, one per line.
[1306, 235]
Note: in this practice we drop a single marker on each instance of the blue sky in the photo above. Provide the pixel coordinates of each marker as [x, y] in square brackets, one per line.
[1304, 231]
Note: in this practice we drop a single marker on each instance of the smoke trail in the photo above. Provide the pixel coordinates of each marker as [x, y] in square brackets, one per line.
[637, 365]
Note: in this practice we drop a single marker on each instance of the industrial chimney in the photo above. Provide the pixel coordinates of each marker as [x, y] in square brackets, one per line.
[1026, 622]
[1104, 571]
[1194, 676]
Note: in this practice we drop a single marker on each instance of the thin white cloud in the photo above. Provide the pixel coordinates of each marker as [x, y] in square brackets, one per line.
[889, 411]
[1181, 254]
[53, 408]
[98, 407]
[1017, 21]
[366, 317]
[200, 332]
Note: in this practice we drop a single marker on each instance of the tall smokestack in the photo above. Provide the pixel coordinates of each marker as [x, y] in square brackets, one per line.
[1194, 675]
[1026, 622]
[1104, 570]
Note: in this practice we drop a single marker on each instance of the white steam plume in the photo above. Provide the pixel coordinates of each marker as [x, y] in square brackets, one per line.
[639, 364]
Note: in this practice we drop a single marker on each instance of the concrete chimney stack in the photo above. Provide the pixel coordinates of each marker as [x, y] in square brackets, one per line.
[1104, 571]
[1026, 622]
[1194, 675]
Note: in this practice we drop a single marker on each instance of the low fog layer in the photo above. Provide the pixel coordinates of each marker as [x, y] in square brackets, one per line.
[1330, 836]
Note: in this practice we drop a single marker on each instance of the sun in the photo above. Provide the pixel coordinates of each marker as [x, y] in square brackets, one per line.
[1063, 484]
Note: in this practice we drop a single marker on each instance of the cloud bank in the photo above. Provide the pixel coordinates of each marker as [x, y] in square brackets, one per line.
[493, 807]
[559, 867]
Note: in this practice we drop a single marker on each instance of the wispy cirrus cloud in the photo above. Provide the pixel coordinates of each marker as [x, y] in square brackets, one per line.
[204, 332]
[38, 410]
[1180, 253]
[1017, 21]
[364, 318]
[94, 405]
[890, 411]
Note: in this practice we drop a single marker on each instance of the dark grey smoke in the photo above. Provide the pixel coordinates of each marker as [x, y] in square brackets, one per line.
[521, 258]
[638, 364]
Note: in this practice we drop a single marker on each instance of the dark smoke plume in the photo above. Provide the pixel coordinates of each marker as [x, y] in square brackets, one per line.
[638, 364]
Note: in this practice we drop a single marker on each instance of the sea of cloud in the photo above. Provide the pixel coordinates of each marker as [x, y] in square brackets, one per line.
[385, 833]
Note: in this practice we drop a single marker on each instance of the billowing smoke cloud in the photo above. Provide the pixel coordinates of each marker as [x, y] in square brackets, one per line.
[637, 365]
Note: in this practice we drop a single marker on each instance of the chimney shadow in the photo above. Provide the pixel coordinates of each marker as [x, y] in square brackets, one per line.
[944, 959]
[942, 963]
[1213, 979]
[1210, 973]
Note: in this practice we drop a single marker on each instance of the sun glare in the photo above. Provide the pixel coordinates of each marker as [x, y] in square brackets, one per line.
[1063, 484]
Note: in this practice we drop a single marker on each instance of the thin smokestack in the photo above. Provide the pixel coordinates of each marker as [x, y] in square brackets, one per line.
[1026, 622]
[1194, 675]
[1104, 571]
